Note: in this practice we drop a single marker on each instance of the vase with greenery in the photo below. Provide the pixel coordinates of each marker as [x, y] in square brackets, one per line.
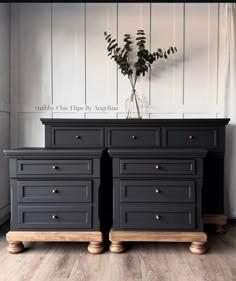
[134, 69]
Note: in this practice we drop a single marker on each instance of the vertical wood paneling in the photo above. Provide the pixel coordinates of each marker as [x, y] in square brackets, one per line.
[200, 53]
[4, 109]
[167, 75]
[131, 17]
[101, 83]
[4, 144]
[35, 53]
[68, 53]
[4, 53]
[31, 130]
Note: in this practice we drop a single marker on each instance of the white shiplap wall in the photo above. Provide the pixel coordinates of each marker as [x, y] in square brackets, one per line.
[4, 110]
[58, 57]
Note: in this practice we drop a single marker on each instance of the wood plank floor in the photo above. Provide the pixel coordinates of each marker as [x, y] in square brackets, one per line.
[143, 261]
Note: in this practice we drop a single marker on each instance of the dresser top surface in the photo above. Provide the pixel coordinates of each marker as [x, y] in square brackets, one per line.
[133, 122]
[41, 151]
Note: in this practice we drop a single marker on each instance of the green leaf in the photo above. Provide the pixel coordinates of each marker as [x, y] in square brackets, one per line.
[141, 38]
[108, 36]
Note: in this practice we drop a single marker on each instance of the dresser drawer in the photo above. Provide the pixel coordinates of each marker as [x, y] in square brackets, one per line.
[127, 137]
[190, 137]
[156, 167]
[150, 217]
[77, 137]
[157, 191]
[56, 217]
[55, 167]
[54, 191]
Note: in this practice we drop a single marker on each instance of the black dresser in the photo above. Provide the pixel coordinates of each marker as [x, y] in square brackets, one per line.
[169, 168]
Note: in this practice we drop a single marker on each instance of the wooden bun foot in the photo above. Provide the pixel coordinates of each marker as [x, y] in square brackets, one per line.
[15, 247]
[117, 247]
[198, 248]
[220, 229]
[95, 247]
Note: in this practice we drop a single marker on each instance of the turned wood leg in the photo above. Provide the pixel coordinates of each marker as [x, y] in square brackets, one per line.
[95, 247]
[117, 247]
[198, 248]
[220, 229]
[15, 247]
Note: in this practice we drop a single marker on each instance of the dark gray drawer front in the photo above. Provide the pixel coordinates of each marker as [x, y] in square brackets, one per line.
[169, 218]
[57, 217]
[77, 137]
[127, 137]
[55, 167]
[190, 137]
[157, 167]
[157, 191]
[54, 191]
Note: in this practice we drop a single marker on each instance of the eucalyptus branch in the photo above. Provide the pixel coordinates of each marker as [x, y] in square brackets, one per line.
[144, 57]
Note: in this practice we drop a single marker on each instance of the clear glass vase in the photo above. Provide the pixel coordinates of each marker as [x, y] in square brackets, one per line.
[134, 106]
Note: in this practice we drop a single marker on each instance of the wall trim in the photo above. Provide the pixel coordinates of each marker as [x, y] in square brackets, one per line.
[5, 107]
[4, 214]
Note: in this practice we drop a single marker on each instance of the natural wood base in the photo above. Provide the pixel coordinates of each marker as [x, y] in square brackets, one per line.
[198, 239]
[159, 236]
[198, 248]
[95, 247]
[15, 247]
[117, 247]
[218, 219]
[94, 237]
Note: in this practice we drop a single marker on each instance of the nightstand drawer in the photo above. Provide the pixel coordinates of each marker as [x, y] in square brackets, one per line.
[56, 217]
[150, 217]
[54, 191]
[127, 137]
[77, 137]
[157, 167]
[157, 191]
[190, 137]
[55, 167]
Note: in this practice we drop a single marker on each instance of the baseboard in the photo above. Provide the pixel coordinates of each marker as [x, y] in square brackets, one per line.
[4, 214]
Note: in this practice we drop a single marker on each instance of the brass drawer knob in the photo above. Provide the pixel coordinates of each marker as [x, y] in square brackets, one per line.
[157, 190]
[134, 137]
[54, 190]
[157, 167]
[77, 137]
[190, 137]
[54, 217]
[157, 217]
[55, 167]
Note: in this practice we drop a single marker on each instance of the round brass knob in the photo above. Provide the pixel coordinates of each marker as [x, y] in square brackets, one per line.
[157, 217]
[157, 167]
[54, 217]
[134, 137]
[191, 137]
[54, 191]
[157, 190]
[55, 167]
[77, 137]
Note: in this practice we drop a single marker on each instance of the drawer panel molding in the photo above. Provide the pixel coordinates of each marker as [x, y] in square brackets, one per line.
[54, 191]
[172, 218]
[55, 167]
[56, 217]
[157, 191]
[77, 137]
